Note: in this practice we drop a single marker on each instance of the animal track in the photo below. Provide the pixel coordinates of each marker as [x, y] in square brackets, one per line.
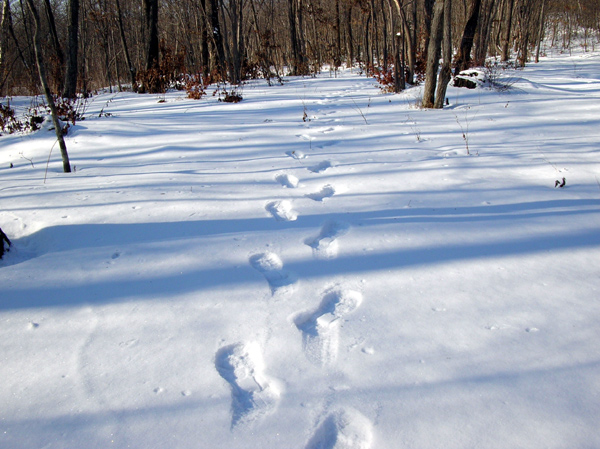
[270, 265]
[320, 167]
[253, 394]
[326, 192]
[289, 181]
[343, 429]
[320, 329]
[282, 210]
[325, 245]
[296, 154]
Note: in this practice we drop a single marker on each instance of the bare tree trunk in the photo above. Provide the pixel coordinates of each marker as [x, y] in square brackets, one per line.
[337, 58]
[433, 54]
[46, 89]
[507, 31]
[298, 59]
[128, 62]
[427, 18]
[218, 57]
[349, 38]
[151, 24]
[446, 71]
[487, 17]
[540, 36]
[70, 90]
[3, 33]
[236, 11]
[204, 38]
[53, 34]
[409, 41]
[524, 33]
[4, 24]
[466, 44]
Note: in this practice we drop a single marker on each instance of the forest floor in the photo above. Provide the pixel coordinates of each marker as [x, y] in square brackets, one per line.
[319, 266]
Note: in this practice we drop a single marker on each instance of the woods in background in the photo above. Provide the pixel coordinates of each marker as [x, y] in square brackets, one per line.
[145, 44]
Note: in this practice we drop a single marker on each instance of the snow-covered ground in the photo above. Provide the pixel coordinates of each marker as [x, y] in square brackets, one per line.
[231, 276]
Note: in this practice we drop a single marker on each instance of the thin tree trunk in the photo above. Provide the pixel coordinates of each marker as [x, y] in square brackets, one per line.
[70, 90]
[349, 38]
[46, 89]
[53, 34]
[151, 24]
[508, 31]
[3, 33]
[204, 38]
[446, 72]
[217, 38]
[433, 54]
[540, 31]
[130, 67]
[409, 41]
[466, 44]
[487, 16]
[337, 59]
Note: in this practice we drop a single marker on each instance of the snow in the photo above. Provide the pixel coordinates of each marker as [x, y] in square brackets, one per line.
[231, 275]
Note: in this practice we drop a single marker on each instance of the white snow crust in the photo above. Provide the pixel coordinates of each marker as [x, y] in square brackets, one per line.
[230, 276]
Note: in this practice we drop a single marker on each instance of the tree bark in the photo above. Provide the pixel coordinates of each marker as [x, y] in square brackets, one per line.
[507, 31]
[433, 54]
[46, 89]
[128, 62]
[466, 44]
[446, 72]
[53, 34]
[70, 90]
[3, 33]
[218, 57]
[151, 23]
[540, 36]
[487, 16]
[349, 37]
[294, 19]
[337, 58]
[409, 42]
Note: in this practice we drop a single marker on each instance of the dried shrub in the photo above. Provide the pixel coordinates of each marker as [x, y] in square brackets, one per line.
[8, 122]
[385, 78]
[195, 87]
[232, 98]
[71, 110]
[169, 73]
[30, 121]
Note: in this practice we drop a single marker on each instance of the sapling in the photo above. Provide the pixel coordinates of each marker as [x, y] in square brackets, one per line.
[465, 129]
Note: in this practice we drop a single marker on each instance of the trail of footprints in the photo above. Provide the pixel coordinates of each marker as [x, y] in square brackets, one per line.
[254, 394]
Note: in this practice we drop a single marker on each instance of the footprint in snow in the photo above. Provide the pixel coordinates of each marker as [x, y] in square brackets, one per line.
[296, 154]
[325, 245]
[253, 393]
[326, 192]
[320, 328]
[289, 181]
[327, 130]
[271, 267]
[281, 210]
[320, 167]
[343, 429]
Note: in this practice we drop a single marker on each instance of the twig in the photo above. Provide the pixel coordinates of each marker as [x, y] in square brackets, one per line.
[548, 161]
[25, 157]
[465, 129]
[359, 110]
[48, 162]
